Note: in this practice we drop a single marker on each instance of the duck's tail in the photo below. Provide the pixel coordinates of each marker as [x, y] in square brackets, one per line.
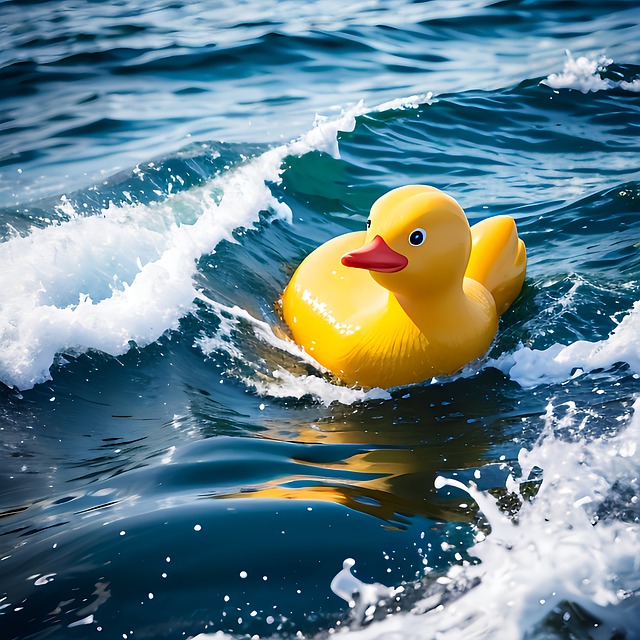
[498, 259]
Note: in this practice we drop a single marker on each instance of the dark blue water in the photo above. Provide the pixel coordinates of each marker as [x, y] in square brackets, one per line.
[170, 465]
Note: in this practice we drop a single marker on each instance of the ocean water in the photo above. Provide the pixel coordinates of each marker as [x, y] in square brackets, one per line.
[171, 465]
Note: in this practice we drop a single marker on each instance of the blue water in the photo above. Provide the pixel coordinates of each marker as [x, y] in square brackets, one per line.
[170, 465]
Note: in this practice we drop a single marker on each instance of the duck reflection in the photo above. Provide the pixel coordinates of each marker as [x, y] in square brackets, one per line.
[382, 457]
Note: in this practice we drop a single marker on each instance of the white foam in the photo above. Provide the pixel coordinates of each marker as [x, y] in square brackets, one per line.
[633, 86]
[287, 385]
[323, 134]
[555, 553]
[531, 367]
[410, 102]
[279, 383]
[585, 74]
[229, 321]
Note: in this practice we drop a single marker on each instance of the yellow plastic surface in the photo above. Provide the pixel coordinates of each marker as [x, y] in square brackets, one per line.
[431, 317]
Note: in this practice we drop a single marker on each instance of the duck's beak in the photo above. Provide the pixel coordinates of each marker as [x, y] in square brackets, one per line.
[377, 255]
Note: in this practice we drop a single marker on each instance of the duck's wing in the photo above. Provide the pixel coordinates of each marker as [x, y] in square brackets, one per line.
[498, 259]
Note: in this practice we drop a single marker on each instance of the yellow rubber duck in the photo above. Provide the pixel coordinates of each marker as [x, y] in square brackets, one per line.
[416, 295]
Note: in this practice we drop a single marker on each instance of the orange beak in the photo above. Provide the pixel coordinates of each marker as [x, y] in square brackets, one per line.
[375, 256]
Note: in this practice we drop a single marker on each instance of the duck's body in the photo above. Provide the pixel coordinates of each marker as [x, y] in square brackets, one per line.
[378, 309]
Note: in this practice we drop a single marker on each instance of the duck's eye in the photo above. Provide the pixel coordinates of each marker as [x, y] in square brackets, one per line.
[368, 224]
[417, 237]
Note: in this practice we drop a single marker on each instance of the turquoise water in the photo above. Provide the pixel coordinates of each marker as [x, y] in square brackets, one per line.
[171, 465]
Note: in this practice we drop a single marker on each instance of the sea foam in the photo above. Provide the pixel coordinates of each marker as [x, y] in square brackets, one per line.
[278, 383]
[584, 74]
[531, 367]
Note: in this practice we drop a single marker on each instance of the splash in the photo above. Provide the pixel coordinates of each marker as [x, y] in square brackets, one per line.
[530, 367]
[363, 598]
[563, 549]
[585, 74]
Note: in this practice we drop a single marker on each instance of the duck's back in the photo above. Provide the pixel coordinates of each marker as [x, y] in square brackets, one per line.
[498, 259]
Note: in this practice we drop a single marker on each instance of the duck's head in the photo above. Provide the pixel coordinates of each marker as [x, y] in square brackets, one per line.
[418, 242]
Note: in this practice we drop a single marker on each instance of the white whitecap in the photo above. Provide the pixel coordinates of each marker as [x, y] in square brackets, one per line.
[532, 367]
[285, 384]
[584, 74]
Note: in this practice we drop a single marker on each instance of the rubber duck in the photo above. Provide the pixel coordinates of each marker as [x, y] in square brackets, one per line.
[416, 295]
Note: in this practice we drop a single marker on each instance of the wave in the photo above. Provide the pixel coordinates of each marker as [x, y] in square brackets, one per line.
[127, 275]
[135, 457]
